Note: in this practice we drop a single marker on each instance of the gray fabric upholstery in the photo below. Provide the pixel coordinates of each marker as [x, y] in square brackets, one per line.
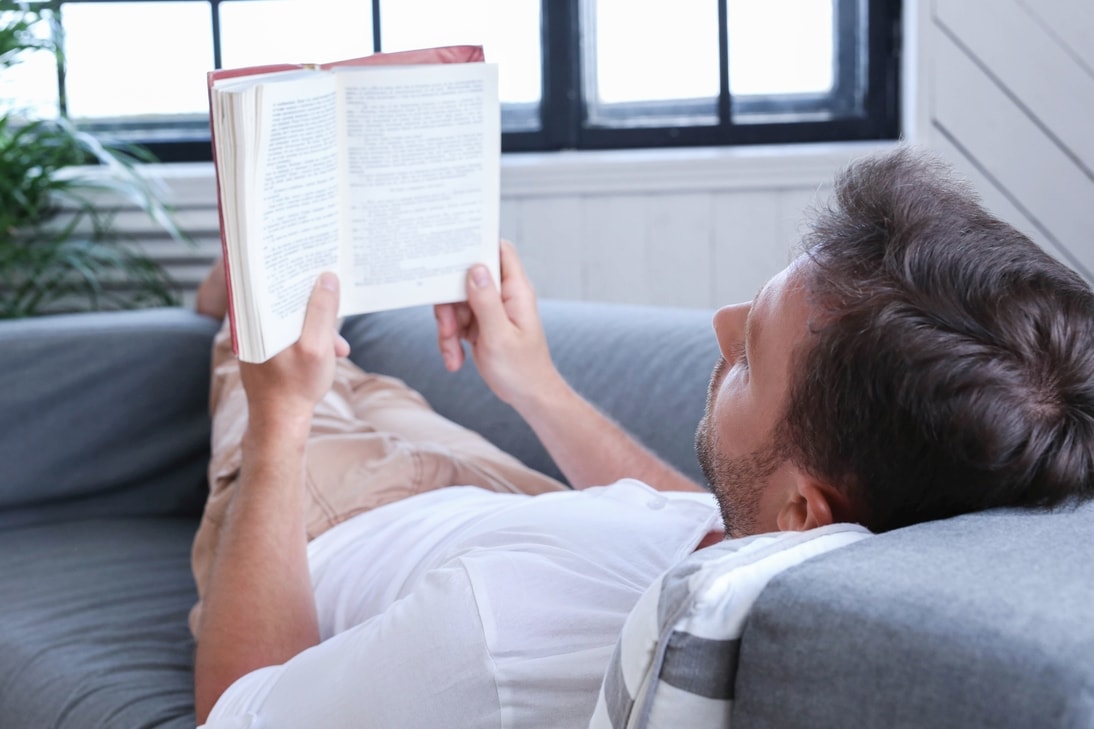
[985, 620]
[103, 414]
[645, 367]
[93, 625]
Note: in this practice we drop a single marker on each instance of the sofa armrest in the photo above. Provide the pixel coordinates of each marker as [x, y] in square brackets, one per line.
[982, 620]
[645, 367]
[104, 414]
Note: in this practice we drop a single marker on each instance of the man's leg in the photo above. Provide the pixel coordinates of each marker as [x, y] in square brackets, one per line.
[397, 446]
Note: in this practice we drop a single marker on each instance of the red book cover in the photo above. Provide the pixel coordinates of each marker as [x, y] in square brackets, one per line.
[443, 54]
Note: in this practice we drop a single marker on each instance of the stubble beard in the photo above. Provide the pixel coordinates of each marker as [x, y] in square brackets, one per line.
[737, 483]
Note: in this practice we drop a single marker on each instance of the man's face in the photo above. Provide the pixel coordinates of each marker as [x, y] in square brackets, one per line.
[744, 465]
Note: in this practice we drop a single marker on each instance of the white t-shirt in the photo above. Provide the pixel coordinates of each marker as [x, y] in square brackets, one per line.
[466, 608]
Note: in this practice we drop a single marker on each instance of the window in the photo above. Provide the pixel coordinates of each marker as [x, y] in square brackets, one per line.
[575, 74]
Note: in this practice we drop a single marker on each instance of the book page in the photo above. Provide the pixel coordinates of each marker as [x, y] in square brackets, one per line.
[298, 227]
[423, 153]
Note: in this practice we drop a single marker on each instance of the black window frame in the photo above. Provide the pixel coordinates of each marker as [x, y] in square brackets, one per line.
[865, 95]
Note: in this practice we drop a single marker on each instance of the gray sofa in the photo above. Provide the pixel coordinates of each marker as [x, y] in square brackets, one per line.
[980, 621]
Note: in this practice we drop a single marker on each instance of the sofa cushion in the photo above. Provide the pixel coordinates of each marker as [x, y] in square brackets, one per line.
[93, 632]
[978, 621]
[676, 660]
[649, 374]
[105, 414]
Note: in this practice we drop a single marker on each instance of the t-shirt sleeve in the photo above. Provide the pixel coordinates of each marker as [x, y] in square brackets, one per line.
[421, 663]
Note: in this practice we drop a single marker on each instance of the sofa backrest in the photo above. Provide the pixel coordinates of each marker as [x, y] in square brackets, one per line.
[104, 413]
[646, 367]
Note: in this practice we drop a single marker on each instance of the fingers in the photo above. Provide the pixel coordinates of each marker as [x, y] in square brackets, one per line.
[449, 332]
[282, 392]
[445, 315]
[465, 321]
[484, 300]
[321, 316]
[493, 313]
[341, 346]
[511, 267]
[516, 289]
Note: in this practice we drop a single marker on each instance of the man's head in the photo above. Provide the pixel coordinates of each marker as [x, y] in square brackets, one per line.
[921, 359]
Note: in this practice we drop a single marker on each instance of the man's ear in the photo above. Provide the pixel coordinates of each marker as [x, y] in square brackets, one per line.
[812, 504]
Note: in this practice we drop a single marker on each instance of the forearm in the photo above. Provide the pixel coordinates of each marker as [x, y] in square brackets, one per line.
[259, 609]
[589, 447]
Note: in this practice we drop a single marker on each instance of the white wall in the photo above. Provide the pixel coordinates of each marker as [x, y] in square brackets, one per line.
[1006, 94]
[1004, 89]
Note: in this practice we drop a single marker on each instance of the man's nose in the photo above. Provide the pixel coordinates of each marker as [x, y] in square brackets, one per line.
[729, 327]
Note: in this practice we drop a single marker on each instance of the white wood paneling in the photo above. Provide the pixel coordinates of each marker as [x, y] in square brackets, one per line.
[747, 249]
[551, 247]
[1005, 92]
[982, 121]
[1022, 59]
[679, 249]
[1071, 22]
[613, 264]
[687, 227]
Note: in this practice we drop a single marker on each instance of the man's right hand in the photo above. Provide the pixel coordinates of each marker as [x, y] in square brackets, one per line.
[504, 331]
[282, 392]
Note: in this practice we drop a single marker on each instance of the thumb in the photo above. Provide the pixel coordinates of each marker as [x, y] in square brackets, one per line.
[484, 299]
[322, 311]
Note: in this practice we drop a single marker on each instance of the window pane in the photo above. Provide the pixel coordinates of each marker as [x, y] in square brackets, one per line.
[508, 31]
[293, 31]
[30, 85]
[652, 52]
[780, 47]
[145, 60]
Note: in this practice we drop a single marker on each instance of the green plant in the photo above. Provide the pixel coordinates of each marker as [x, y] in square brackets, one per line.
[59, 249]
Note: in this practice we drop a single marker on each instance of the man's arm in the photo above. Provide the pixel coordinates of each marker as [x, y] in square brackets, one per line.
[259, 609]
[510, 350]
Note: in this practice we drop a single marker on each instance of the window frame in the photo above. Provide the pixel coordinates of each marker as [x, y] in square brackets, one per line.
[879, 120]
[562, 106]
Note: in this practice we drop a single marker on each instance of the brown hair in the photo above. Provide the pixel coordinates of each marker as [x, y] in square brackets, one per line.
[953, 364]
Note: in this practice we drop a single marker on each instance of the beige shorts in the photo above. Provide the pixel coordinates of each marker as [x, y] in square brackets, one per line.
[373, 441]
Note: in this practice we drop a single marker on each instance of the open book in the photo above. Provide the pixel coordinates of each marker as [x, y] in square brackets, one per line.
[383, 169]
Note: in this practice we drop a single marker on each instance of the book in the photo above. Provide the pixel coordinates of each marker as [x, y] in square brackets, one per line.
[384, 169]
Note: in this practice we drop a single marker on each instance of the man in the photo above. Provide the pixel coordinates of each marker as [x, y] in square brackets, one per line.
[921, 359]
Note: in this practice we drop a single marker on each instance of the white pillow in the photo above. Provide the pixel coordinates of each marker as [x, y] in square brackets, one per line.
[675, 663]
